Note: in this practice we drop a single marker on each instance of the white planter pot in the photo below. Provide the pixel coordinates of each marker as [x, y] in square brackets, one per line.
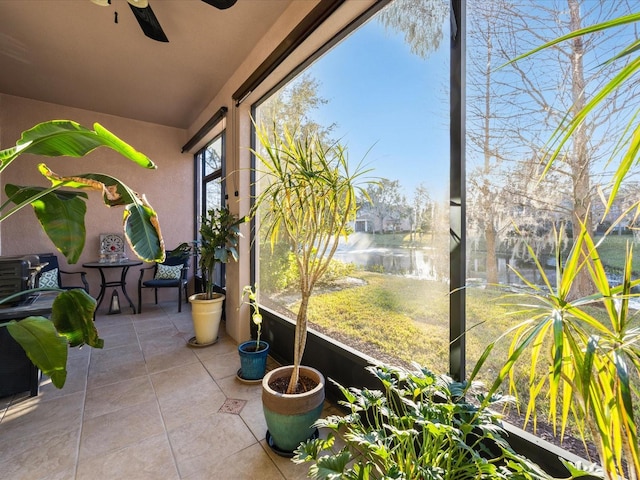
[206, 315]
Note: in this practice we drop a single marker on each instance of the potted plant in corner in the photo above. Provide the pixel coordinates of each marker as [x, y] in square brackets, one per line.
[308, 198]
[253, 353]
[219, 236]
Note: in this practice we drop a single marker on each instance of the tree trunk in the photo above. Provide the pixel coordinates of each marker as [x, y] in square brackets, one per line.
[578, 158]
[492, 258]
[299, 342]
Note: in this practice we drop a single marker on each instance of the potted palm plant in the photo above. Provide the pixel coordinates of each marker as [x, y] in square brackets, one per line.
[308, 199]
[253, 353]
[46, 340]
[219, 237]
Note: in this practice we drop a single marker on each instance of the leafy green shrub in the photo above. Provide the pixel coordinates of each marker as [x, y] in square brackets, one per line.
[421, 426]
[279, 269]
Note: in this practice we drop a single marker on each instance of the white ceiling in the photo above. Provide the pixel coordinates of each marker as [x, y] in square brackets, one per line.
[71, 52]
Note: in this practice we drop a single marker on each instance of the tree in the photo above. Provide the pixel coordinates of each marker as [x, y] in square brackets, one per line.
[292, 105]
[422, 209]
[548, 86]
[421, 21]
[387, 205]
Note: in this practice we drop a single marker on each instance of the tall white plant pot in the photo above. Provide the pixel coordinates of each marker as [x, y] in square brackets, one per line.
[206, 315]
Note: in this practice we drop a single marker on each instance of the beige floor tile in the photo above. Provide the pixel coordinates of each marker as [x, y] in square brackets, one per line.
[223, 366]
[253, 416]
[77, 371]
[116, 374]
[39, 455]
[148, 324]
[185, 394]
[252, 462]
[150, 459]
[223, 346]
[61, 475]
[232, 387]
[208, 441]
[108, 357]
[121, 428]
[114, 365]
[290, 470]
[37, 415]
[125, 335]
[107, 399]
[157, 361]
[147, 406]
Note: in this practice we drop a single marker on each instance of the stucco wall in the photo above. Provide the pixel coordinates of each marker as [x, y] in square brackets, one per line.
[169, 188]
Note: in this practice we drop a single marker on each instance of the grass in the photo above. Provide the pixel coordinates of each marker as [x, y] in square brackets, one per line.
[399, 320]
[613, 250]
[407, 319]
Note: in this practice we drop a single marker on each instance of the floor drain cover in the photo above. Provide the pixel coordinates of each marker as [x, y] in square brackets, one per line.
[232, 405]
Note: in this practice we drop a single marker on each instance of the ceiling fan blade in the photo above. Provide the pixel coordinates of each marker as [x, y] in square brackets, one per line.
[221, 4]
[149, 23]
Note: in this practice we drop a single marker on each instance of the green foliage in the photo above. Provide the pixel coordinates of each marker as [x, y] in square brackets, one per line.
[61, 214]
[280, 272]
[219, 239]
[256, 317]
[46, 340]
[308, 197]
[419, 426]
[587, 361]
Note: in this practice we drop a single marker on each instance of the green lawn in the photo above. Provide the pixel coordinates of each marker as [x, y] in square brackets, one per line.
[613, 251]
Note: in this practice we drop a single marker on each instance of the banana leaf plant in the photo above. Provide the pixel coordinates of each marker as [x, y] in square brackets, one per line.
[60, 209]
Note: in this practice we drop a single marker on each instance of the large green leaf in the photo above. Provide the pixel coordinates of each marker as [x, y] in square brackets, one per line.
[61, 214]
[43, 345]
[72, 315]
[141, 226]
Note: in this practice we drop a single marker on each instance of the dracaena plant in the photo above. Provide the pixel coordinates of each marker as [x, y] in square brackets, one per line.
[308, 199]
[589, 357]
[418, 426]
[594, 359]
[60, 209]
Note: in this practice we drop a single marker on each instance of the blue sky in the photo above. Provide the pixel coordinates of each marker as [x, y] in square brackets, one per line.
[389, 101]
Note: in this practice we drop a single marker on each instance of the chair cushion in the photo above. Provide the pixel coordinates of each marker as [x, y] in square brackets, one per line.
[49, 279]
[163, 283]
[168, 272]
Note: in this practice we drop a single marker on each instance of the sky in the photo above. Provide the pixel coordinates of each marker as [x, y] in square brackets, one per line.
[389, 105]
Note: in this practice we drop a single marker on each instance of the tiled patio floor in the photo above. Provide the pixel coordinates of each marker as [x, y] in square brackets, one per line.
[147, 406]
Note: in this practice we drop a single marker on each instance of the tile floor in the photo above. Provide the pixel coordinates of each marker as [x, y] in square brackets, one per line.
[147, 406]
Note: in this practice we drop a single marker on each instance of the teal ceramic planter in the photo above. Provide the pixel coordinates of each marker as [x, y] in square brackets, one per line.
[253, 364]
[290, 417]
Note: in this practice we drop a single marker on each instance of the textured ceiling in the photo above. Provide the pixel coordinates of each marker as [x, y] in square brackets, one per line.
[71, 52]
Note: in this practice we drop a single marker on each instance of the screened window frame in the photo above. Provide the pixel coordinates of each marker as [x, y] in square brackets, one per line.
[457, 172]
[201, 183]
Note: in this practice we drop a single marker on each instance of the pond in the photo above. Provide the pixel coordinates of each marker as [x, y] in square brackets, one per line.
[419, 263]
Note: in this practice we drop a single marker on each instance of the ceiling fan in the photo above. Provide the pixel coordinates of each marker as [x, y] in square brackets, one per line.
[147, 19]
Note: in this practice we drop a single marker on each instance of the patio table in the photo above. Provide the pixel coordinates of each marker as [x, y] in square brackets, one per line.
[124, 266]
